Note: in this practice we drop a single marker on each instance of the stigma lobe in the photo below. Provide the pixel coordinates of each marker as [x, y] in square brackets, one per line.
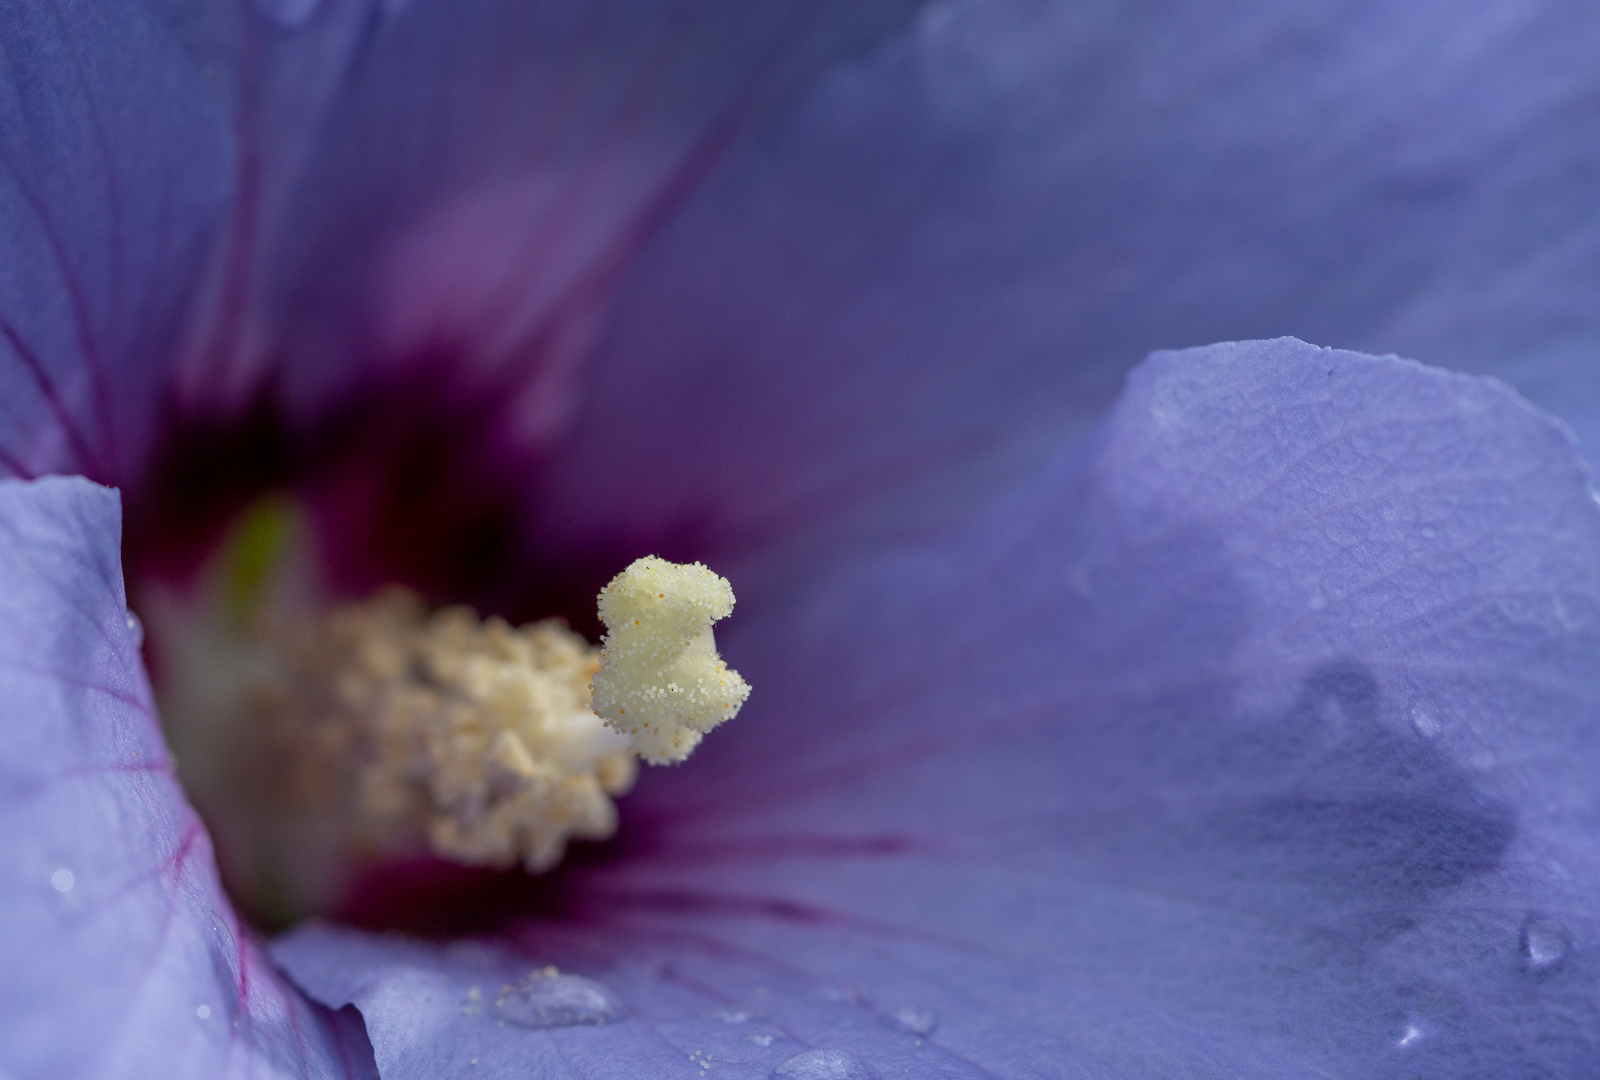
[661, 681]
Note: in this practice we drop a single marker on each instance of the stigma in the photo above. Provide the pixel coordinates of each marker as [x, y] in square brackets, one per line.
[318, 739]
[660, 680]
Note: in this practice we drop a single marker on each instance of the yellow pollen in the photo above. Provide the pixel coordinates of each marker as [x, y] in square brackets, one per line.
[317, 740]
[473, 733]
[658, 657]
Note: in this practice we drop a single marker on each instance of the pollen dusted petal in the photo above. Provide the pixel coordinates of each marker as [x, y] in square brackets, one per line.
[660, 679]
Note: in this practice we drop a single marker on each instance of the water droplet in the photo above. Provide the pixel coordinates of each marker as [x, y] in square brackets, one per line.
[224, 952]
[1425, 717]
[825, 1065]
[136, 628]
[549, 999]
[727, 1016]
[762, 1035]
[916, 1021]
[289, 14]
[203, 1012]
[1411, 1035]
[62, 880]
[1544, 942]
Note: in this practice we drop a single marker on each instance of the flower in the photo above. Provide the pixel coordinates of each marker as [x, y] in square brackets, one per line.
[1245, 730]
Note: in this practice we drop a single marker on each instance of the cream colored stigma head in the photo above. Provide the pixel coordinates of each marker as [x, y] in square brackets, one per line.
[661, 681]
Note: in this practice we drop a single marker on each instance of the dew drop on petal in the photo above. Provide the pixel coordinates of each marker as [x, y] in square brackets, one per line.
[917, 1021]
[203, 1012]
[728, 1016]
[289, 14]
[548, 999]
[1425, 718]
[824, 1065]
[224, 951]
[1544, 943]
[62, 880]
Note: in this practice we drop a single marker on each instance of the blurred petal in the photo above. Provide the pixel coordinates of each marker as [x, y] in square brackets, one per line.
[279, 68]
[1254, 738]
[465, 182]
[960, 244]
[121, 955]
[436, 203]
[112, 156]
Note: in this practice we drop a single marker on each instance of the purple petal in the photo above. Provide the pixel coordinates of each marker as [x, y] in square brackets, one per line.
[485, 173]
[111, 178]
[960, 244]
[436, 203]
[1254, 738]
[120, 952]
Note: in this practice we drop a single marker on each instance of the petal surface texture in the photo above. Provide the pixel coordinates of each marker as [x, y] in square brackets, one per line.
[463, 185]
[113, 175]
[962, 242]
[122, 956]
[1253, 737]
